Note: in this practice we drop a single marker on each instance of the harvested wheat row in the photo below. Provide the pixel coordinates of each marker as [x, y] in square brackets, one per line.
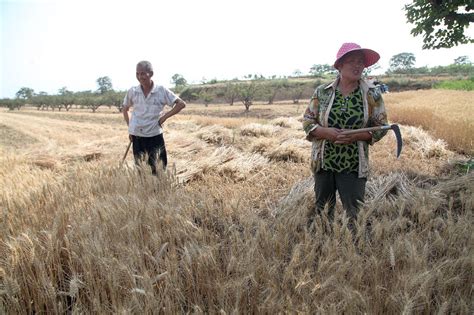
[287, 122]
[243, 165]
[257, 130]
[288, 152]
[426, 144]
[215, 135]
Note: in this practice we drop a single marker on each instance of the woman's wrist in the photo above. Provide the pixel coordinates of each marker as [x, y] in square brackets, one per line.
[368, 136]
[364, 136]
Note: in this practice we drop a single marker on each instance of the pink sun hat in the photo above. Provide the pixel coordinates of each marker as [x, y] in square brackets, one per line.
[371, 56]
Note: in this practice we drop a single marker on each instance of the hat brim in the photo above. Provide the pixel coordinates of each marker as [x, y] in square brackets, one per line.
[370, 57]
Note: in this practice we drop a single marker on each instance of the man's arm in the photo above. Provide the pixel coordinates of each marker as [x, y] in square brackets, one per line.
[179, 104]
[126, 117]
[126, 107]
[125, 110]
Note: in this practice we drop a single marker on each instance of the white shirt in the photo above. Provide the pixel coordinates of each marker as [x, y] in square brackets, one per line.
[144, 121]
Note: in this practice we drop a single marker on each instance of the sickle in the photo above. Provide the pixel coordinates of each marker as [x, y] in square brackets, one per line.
[394, 127]
[126, 152]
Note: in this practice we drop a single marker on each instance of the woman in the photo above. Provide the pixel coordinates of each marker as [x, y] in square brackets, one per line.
[340, 162]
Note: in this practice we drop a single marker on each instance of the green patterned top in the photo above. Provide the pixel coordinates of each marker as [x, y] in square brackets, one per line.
[317, 114]
[346, 113]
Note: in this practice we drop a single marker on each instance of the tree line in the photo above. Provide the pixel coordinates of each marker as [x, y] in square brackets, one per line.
[105, 95]
[442, 24]
[253, 88]
[268, 90]
[404, 63]
[249, 91]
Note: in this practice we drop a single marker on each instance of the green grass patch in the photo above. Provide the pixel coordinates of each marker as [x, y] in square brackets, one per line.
[465, 85]
[467, 166]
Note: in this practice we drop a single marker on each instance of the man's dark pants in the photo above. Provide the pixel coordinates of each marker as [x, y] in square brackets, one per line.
[151, 146]
[351, 190]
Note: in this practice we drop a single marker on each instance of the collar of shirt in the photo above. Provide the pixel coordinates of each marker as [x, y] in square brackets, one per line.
[364, 85]
[154, 89]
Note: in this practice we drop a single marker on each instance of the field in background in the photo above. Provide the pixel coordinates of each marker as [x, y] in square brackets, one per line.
[226, 229]
[445, 114]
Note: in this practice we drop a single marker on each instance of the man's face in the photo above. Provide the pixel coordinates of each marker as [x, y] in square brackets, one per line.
[143, 76]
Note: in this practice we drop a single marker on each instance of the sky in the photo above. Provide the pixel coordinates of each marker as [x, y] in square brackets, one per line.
[49, 44]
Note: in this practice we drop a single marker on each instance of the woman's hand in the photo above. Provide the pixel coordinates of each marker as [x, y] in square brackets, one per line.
[347, 139]
[326, 133]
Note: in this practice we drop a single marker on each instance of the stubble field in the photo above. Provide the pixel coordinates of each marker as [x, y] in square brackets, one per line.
[226, 229]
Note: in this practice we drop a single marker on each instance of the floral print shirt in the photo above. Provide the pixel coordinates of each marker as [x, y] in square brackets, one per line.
[318, 111]
[346, 113]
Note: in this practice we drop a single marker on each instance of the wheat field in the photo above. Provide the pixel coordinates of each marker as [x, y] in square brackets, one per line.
[446, 114]
[225, 229]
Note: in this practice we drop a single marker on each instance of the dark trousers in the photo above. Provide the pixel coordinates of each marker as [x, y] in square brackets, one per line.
[151, 146]
[351, 190]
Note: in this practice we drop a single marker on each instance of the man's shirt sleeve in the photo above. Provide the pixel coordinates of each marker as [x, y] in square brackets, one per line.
[127, 101]
[170, 97]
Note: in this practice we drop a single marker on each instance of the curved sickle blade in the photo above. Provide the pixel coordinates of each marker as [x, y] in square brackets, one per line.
[398, 135]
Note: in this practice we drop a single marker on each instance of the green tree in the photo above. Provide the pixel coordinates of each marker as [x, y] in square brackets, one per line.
[105, 84]
[270, 89]
[297, 90]
[462, 60]
[11, 103]
[297, 73]
[189, 94]
[113, 98]
[402, 62]
[64, 91]
[25, 93]
[247, 93]
[206, 97]
[368, 70]
[93, 102]
[179, 82]
[55, 102]
[320, 69]
[231, 92]
[40, 100]
[66, 98]
[441, 22]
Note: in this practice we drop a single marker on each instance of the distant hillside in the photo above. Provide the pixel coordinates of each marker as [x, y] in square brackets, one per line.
[292, 89]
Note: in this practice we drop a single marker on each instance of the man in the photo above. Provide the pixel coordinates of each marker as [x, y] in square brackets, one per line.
[147, 119]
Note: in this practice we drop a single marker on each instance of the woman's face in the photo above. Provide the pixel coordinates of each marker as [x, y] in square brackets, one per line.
[352, 65]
